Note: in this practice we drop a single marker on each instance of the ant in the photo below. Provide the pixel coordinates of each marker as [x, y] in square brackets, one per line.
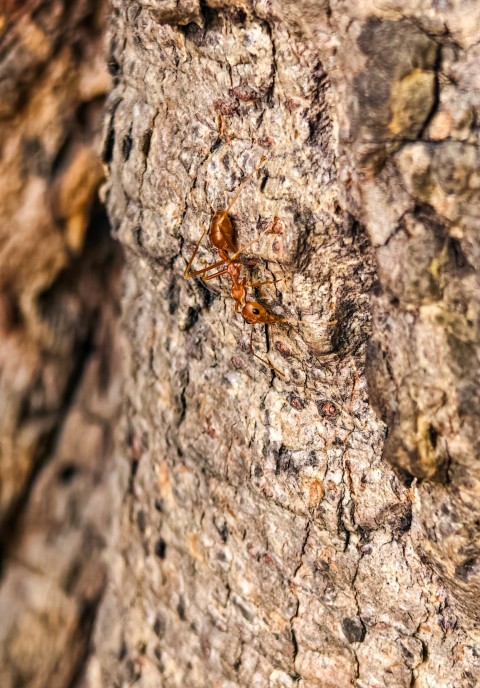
[221, 238]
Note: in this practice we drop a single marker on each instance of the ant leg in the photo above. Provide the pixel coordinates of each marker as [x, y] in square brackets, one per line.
[265, 361]
[274, 281]
[196, 273]
[267, 230]
[187, 272]
[250, 243]
[217, 274]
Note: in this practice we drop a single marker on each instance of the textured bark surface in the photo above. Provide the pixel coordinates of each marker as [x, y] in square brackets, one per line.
[59, 273]
[265, 539]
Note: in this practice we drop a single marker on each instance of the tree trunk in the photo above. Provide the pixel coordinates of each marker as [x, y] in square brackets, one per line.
[313, 524]
[265, 540]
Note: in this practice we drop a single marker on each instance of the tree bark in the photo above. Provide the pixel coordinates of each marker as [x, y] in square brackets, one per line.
[316, 529]
[265, 539]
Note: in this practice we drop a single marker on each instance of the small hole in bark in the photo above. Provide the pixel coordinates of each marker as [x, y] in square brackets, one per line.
[173, 296]
[264, 181]
[107, 153]
[133, 472]
[327, 409]
[257, 471]
[364, 533]
[161, 548]
[141, 521]
[223, 531]
[466, 569]
[283, 460]
[181, 610]
[145, 143]
[236, 15]
[192, 317]
[67, 473]
[159, 626]
[283, 349]
[433, 436]
[405, 521]
[113, 67]
[127, 144]
[295, 401]
[353, 629]
[137, 234]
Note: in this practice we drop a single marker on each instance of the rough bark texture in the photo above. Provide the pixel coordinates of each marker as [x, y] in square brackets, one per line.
[265, 540]
[59, 272]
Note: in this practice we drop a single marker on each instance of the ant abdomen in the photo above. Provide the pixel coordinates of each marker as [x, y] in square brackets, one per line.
[221, 232]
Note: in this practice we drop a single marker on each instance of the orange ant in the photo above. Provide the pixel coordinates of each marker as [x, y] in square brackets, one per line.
[221, 238]
[252, 312]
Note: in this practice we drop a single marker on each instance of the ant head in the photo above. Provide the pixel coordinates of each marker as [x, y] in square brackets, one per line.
[253, 313]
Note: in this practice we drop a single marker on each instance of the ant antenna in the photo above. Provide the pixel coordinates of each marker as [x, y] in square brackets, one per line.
[241, 187]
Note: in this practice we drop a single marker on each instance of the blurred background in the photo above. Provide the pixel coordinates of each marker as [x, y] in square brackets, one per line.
[59, 373]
